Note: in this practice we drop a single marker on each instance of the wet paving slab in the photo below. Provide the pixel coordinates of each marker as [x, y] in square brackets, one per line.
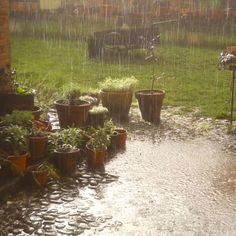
[172, 179]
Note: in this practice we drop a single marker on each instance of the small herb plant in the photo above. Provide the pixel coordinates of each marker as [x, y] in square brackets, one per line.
[89, 99]
[13, 139]
[99, 139]
[72, 95]
[21, 118]
[46, 166]
[109, 127]
[124, 84]
[98, 110]
[66, 140]
[36, 132]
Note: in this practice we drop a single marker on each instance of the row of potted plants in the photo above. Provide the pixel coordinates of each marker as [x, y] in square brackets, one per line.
[22, 143]
[116, 96]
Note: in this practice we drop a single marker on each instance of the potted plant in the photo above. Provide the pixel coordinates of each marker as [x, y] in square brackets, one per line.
[150, 100]
[96, 117]
[12, 95]
[93, 94]
[116, 95]
[117, 135]
[65, 146]
[42, 172]
[37, 112]
[72, 111]
[37, 143]
[21, 118]
[87, 98]
[97, 146]
[13, 142]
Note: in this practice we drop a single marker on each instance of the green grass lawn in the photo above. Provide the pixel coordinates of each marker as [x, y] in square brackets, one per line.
[191, 78]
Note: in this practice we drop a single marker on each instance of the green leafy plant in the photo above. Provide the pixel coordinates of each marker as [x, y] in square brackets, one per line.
[21, 118]
[72, 95]
[89, 99]
[99, 139]
[46, 166]
[36, 132]
[109, 127]
[66, 140]
[123, 84]
[13, 139]
[98, 110]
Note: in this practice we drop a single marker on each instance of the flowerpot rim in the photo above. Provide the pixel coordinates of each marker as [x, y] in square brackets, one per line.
[148, 92]
[59, 103]
[121, 130]
[39, 137]
[20, 155]
[73, 151]
[94, 150]
[117, 92]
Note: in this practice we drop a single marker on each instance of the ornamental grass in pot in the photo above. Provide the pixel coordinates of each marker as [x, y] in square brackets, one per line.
[65, 146]
[96, 148]
[72, 111]
[13, 141]
[116, 95]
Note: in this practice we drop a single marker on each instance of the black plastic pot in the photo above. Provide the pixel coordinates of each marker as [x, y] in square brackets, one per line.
[14, 101]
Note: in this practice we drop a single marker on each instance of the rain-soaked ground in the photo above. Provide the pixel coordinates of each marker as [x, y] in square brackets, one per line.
[175, 179]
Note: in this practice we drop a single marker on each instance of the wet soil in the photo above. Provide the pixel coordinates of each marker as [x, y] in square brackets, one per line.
[177, 178]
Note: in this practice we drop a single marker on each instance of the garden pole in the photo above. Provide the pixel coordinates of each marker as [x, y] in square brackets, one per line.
[232, 95]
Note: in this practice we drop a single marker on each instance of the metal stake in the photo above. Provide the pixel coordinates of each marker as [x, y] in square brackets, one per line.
[232, 95]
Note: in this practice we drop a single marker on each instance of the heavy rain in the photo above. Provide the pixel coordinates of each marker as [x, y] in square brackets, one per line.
[117, 117]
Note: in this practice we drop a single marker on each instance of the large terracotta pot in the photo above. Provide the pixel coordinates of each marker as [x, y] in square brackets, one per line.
[66, 162]
[37, 146]
[150, 104]
[117, 103]
[18, 164]
[72, 115]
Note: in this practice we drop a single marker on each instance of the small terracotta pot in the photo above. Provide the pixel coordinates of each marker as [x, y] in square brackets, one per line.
[18, 164]
[66, 162]
[37, 111]
[121, 137]
[37, 146]
[40, 177]
[96, 157]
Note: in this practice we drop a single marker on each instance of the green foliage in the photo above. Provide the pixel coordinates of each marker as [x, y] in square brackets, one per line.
[21, 118]
[66, 140]
[109, 127]
[99, 139]
[13, 139]
[49, 168]
[89, 99]
[72, 95]
[98, 110]
[36, 132]
[118, 84]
